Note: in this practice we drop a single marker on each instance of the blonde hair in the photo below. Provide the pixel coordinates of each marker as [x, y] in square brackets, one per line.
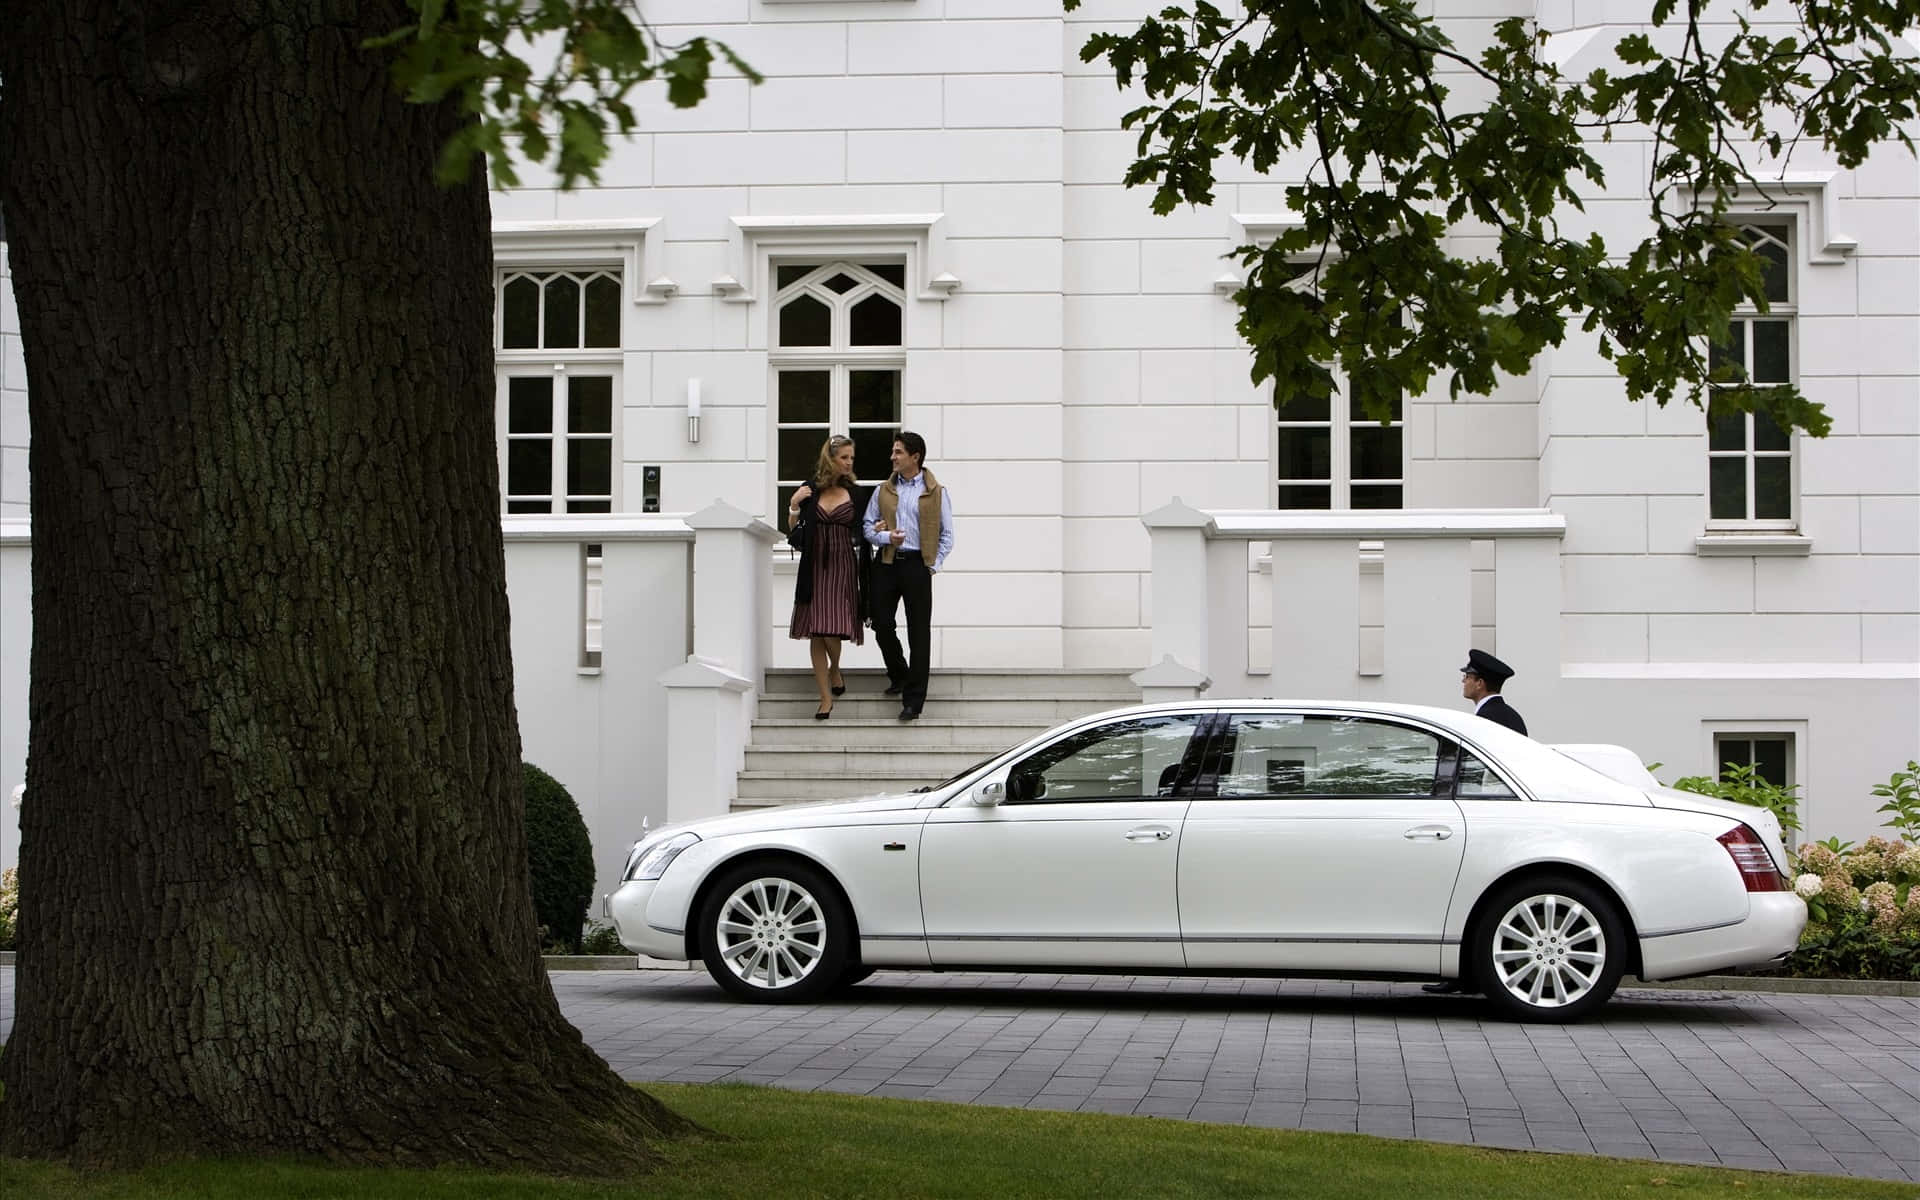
[826, 472]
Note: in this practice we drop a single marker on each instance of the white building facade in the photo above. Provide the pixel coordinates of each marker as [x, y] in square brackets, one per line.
[916, 221]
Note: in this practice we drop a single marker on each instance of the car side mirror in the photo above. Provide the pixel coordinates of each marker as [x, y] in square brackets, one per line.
[989, 795]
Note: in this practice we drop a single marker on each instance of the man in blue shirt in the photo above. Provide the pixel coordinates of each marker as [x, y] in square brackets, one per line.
[910, 521]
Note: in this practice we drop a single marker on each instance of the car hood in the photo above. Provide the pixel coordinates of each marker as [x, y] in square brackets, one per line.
[1762, 821]
[786, 816]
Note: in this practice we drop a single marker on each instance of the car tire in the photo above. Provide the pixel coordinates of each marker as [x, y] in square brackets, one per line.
[852, 975]
[774, 933]
[1549, 949]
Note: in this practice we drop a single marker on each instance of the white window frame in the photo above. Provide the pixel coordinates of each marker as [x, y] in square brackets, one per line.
[1782, 228]
[626, 248]
[1794, 731]
[839, 357]
[1339, 424]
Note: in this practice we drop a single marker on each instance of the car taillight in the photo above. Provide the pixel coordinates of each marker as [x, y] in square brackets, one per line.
[1750, 857]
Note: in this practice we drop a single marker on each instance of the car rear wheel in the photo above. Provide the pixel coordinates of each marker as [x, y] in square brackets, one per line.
[1549, 949]
[774, 932]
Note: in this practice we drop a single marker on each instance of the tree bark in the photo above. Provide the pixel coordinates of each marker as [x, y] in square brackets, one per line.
[273, 867]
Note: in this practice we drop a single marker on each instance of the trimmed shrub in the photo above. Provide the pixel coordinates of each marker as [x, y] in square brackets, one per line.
[559, 860]
[602, 939]
[9, 906]
[1863, 910]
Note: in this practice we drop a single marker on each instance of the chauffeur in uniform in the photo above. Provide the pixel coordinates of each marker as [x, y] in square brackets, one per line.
[1480, 682]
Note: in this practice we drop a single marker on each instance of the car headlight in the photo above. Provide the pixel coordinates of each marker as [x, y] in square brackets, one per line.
[651, 861]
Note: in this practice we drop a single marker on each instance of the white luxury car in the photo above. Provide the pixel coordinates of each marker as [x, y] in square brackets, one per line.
[1237, 837]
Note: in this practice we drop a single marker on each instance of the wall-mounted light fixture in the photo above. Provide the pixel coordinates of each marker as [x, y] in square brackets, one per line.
[693, 409]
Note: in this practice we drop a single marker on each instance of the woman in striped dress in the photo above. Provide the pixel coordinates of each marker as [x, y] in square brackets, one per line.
[828, 599]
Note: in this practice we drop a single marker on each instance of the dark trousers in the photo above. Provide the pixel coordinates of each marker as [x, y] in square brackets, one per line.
[905, 578]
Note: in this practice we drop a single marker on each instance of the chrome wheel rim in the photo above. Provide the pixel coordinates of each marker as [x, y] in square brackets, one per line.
[771, 933]
[1549, 951]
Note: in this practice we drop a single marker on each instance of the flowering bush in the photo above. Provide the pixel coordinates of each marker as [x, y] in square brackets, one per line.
[9, 906]
[1863, 910]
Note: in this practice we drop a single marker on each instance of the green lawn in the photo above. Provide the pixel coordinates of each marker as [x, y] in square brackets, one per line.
[787, 1145]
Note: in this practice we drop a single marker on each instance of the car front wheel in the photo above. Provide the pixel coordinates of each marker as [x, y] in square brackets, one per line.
[774, 933]
[1550, 949]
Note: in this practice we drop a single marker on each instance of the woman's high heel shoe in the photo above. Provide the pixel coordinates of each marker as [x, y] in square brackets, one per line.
[839, 689]
[823, 714]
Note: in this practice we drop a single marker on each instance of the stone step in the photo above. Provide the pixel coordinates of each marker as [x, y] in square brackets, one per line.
[1003, 708]
[968, 682]
[839, 785]
[930, 732]
[807, 762]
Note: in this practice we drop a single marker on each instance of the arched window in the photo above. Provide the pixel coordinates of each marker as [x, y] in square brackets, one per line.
[838, 361]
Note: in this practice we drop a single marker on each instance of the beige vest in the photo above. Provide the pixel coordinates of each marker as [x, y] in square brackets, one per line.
[929, 516]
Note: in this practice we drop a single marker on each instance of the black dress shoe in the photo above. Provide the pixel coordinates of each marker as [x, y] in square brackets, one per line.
[893, 689]
[909, 714]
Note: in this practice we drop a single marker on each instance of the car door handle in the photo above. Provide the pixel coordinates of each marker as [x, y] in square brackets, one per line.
[1149, 833]
[1428, 833]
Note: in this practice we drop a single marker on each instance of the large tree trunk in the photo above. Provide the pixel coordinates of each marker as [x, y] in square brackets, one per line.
[272, 854]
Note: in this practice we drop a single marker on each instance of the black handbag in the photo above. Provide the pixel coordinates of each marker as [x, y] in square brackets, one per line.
[802, 528]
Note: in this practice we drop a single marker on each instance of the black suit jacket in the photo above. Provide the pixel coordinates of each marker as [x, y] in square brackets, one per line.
[1501, 713]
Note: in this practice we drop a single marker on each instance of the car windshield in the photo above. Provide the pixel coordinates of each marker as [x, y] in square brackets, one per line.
[956, 778]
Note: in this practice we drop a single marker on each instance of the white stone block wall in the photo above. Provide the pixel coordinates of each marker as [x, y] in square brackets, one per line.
[13, 400]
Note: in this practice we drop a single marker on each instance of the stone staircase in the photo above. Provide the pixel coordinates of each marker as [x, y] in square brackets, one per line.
[865, 748]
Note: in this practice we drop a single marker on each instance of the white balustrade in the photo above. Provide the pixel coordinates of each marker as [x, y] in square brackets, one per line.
[1324, 642]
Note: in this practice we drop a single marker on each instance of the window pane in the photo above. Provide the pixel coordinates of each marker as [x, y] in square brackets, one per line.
[1773, 268]
[1308, 496]
[563, 313]
[1304, 408]
[529, 506]
[876, 322]
[805, 321]
[800, 452]
[1357, 413]
[1730, 350]
[893, 273]
[589, 506]
[804, 396]
[1127, 760]
[1727, 489]
[530, 405]
[872, 453]
[530, 468]
[1473, 781]
[786, 501]
[1328, 756]
[1734, 752]
[1376, 452]
[1726, 429]
[1306, 454]
[520, 314]
[603, 311]
[1767, 435]
[1377, 495]
[590, 404]
[589, 466]
[1770, 760]
[842, 283]
[874, 397]
[1772, 488]
[1770, 354]
[790, 273]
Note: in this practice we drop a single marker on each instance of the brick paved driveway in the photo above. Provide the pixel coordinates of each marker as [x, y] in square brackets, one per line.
[1809, 1083]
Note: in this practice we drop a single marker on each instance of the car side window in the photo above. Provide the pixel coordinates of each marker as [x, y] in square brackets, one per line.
[1298, 754]
[1137, 759]
[1474, 780]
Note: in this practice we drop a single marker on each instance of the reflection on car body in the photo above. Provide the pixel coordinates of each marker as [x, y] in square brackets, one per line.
[1236, 837]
